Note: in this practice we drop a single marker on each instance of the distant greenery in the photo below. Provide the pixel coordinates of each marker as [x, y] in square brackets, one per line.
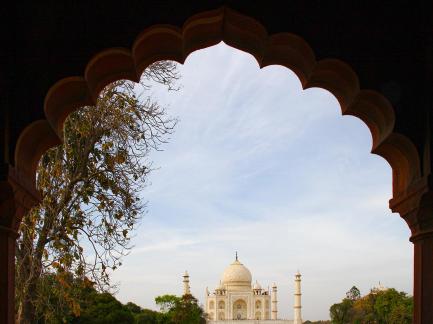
[378, 307]
[104, 308]
[317, 322]
[180, 310]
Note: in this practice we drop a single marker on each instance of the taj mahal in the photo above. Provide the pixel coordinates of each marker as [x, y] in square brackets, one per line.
[236, 299]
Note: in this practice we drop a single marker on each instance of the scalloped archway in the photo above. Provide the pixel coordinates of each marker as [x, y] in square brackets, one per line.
[166, 42]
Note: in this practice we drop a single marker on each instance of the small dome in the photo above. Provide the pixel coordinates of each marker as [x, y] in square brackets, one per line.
[257, 286]
[237, 274]
[219, 286]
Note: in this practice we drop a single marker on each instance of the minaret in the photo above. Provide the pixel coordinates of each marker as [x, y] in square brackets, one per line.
[186, 290]
[297, 318]
[274, 301]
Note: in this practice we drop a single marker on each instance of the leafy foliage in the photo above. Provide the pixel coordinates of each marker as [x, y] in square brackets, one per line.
[90, 192]
[55, 305]
[342, 313]
[353, 294]
[103, 308]
[179, 310]
[96, 307]
[147, 316]
[379, 307]
[167, 302]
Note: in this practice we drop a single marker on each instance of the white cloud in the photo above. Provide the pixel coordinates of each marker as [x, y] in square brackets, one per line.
[260, 166]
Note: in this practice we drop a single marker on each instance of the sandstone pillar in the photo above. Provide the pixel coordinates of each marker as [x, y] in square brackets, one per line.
[15, 201]
[416, 208]
[423, 278]
[7, 275]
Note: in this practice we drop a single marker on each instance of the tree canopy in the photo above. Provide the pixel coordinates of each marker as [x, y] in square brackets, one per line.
[90, 192]
[104, 308]
[353, 294]
[379, 307]
[179, 310]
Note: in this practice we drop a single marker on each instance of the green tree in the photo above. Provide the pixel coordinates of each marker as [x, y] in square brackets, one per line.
[341, 313]
[363, 310]
[167, 302]
[95, 307]
[187, 311]
[147, 316]
[89, 188]
[392, 306]
[353, 294]
[378, 307]
[180, 310]
[55, 306]
[402, 313]
[103, 308]
[133, 308]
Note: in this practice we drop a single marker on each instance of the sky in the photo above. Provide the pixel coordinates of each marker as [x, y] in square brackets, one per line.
[259, 166]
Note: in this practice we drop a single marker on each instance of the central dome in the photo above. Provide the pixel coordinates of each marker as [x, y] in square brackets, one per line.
[237, 274]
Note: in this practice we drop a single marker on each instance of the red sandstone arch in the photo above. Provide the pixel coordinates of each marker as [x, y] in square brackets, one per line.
[165, 42]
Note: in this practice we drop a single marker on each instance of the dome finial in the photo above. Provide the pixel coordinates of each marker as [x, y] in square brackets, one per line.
[236, 255]
[237, 274]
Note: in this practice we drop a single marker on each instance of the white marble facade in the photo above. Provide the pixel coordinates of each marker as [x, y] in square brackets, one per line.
[236, 298]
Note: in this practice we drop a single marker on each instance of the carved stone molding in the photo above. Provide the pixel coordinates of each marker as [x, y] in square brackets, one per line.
[415, 206]
[166, 42]
[18, 196]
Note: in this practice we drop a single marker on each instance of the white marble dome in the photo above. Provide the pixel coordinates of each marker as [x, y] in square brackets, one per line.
[237, 273]
[257, 286]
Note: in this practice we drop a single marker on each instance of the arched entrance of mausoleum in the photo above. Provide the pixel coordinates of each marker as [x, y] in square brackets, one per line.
[240, 310]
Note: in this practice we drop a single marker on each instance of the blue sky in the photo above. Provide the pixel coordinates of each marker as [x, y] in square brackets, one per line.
[259, 166]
